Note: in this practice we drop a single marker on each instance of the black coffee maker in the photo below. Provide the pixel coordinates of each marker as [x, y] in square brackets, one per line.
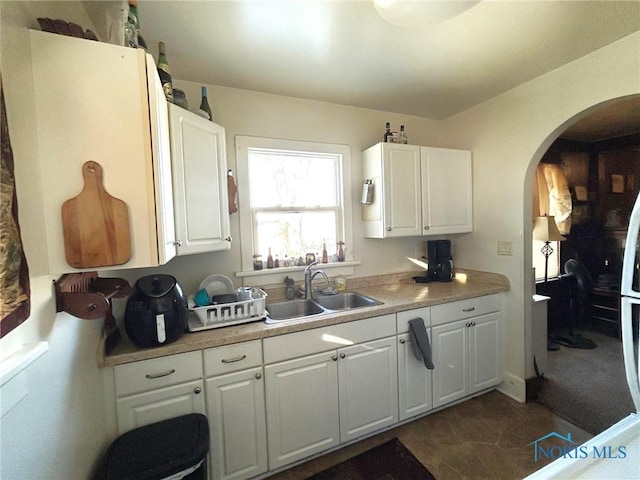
[439, 260]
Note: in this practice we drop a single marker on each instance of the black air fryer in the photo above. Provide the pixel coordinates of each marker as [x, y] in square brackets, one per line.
[156, 311]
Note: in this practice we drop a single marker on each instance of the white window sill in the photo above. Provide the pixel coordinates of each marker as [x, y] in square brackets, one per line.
[279, 270]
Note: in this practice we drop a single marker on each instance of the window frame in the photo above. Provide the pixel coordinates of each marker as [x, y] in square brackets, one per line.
[246, 217]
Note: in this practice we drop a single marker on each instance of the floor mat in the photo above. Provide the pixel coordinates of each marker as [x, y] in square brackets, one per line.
[389, 461]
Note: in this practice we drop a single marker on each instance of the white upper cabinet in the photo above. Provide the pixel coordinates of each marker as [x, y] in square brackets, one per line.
[447, 200]
[417, 191]
[101, 102]
[201, 203]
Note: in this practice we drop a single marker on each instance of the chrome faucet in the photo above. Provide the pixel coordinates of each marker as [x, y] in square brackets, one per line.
[308, 278]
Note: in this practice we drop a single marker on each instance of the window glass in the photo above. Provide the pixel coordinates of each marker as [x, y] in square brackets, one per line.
[297, 198]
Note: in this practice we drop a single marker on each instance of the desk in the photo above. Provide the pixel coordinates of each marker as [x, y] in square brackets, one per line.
[604, 305]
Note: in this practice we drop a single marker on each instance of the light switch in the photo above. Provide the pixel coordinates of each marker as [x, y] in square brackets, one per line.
[504, 248]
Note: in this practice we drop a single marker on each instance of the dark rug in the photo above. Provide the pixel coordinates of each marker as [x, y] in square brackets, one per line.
[389, 461]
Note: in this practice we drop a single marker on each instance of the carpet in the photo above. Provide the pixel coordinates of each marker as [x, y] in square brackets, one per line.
[389, 461]
[588, 387]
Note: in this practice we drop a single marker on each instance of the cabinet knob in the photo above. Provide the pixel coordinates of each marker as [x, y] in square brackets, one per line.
[473, 324]
[258, 376]
[402, 340]
[342, 355]
[197, 390]
[334, 358]
[426, 227]
[388, 229]
[178, 243]
[468, 324]
[228, 239]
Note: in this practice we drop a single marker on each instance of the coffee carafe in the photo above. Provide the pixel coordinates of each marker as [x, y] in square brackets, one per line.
[439, 260]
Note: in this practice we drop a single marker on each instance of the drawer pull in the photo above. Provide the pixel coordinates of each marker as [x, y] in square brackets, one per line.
[235, 359]
[471, 309]
[197, 390]
[402, 341]
[258, 376]
[151, 376]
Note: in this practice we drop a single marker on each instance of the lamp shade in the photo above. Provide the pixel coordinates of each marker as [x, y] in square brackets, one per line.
[546, 230]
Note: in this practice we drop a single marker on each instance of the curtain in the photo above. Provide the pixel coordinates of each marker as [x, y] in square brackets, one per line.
[15, 303]
[553, 195]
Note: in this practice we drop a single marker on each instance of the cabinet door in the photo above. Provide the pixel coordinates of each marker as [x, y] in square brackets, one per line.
[162, 179]
[302, 408]
[200, 183]
[447, 197]
[451, 364]
[368, 387]
[401, 178]
[157, 405]
[484, 358]
[91, 103]
[235, 406]
[414, 380]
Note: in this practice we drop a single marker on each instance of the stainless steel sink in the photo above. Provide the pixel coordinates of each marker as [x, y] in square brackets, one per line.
[346, 301]
[295, 309]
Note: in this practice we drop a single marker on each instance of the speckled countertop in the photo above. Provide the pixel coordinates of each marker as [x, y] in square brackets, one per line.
[396, 291]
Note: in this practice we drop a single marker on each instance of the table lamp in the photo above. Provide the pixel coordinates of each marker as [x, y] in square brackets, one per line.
[546, 230]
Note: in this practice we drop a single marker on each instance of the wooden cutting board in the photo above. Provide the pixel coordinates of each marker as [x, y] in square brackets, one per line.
[95, 224]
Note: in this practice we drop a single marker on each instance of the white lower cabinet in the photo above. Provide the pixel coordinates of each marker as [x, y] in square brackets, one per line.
[302, 407]
[154, 390]
[368, 387]
[324, 398]
[466, 357]
[414, 379]
[236, 411]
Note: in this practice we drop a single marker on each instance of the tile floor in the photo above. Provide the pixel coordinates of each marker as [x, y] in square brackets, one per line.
[486, 437]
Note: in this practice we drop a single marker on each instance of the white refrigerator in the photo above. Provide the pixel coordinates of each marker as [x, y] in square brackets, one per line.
[601, 457]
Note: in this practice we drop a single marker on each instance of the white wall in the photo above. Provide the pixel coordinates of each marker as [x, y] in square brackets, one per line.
[508, 135]
[58, 430]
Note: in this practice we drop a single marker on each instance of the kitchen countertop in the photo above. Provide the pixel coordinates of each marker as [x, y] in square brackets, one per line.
[397, 292]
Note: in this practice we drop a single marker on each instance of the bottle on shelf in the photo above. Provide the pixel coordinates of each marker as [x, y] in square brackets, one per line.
[165, 72]
[341, 251]
[387, 132]
[325, 257]
[402, 138]
[276, 262]
[131, 26]
[204, 104]
[269, 259]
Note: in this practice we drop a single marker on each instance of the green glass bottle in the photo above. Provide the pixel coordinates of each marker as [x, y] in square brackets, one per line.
[165, 73]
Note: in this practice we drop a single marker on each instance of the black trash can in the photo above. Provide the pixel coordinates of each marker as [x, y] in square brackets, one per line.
[175, 448]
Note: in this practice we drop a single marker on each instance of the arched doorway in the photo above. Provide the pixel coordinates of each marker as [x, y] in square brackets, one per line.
[578, 384]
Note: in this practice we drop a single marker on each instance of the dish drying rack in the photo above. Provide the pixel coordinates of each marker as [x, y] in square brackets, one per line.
[226, 314]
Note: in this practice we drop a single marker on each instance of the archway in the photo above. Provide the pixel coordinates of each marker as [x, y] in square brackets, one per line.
[593, 112]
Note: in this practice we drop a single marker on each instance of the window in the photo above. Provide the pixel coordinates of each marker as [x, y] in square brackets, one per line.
[294, 198]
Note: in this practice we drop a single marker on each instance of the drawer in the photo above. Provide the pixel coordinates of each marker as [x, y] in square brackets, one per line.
[157, 372]
[472, 307]
[402, 318]
[232, 358]
[293, 345]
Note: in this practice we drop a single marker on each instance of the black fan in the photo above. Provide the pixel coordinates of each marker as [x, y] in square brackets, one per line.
[579, 285]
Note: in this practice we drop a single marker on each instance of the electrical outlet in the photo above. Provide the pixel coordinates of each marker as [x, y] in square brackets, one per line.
[504, 248]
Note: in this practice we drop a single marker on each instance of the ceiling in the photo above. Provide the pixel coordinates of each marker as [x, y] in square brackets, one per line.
[426, 61]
